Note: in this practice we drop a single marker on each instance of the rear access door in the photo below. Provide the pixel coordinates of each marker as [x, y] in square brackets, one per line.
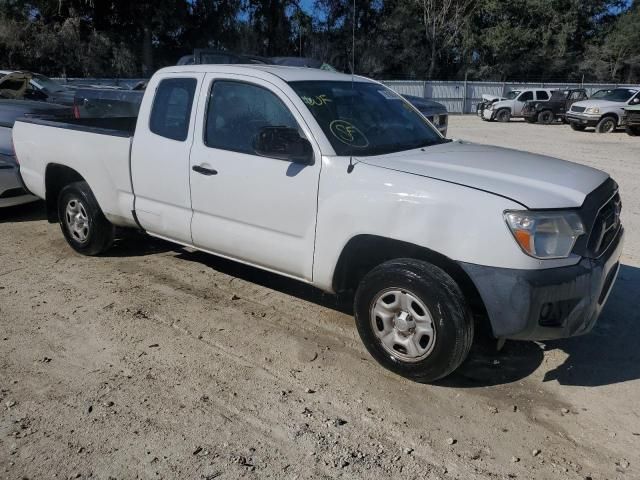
[160, 155]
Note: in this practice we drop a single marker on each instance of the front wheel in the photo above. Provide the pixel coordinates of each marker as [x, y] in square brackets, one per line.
[413, 319]
[606, 125]
[82, 222]
[545, 117]
[503, 115]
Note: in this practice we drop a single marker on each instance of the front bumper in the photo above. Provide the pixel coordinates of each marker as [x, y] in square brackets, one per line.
[551, 303]
[583, 119]
[488, 114]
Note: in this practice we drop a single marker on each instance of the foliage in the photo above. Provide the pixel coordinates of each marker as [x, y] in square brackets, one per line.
[537, 40]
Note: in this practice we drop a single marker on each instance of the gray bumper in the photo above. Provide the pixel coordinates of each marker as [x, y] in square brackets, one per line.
[547, 304]
[582, 119]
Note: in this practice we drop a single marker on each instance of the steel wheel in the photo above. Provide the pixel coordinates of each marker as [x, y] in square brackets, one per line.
[403, 325]
[77, 220]
[606, 125]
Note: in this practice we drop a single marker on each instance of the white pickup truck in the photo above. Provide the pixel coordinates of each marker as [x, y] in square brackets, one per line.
[339, 182]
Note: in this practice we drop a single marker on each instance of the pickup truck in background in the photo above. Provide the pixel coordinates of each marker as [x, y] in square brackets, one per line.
[337, 181]
[555, 108]
[604, 113]
[503, 110]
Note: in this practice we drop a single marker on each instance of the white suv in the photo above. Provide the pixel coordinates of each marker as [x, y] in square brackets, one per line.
[503, 109]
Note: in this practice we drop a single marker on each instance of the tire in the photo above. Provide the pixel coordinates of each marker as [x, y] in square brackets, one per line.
[545, 117]
[427, 298]
[633, 130]
[577, 127]
[503, 115]
[606, 125]
[82, 222]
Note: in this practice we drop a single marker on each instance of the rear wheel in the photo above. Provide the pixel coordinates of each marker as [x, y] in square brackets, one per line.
[82, 222]
[413, 319]
[545, 117]
[577, 127]
[606, 125]
[503, 115]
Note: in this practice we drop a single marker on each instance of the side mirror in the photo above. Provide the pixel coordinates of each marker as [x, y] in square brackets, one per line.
[283, 143]
[635, 101]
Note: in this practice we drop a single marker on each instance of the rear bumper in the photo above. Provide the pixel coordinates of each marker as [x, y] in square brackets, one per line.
[551, 303]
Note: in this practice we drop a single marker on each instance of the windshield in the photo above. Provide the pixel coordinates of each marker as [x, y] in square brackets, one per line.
[47, 83]
[364, 119]
[619, 95]
[513, 94]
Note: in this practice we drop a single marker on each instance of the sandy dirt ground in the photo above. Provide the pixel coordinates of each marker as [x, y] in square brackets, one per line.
[155, 361]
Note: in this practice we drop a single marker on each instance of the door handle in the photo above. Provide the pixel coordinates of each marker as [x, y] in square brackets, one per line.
[204, 171]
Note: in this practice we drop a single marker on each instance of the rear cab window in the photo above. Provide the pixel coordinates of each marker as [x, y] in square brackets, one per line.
[542, 95]
[171, 110]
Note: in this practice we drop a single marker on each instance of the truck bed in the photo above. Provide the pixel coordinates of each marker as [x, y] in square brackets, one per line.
[116, 126]
[95, 149]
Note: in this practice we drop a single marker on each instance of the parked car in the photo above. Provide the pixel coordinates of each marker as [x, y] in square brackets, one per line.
[337, 182]
[504, 110]
[604, 113]
[555, 108]
[92, 102]
[12, 191]
[631, 120]
[435, 112]
[41, 88]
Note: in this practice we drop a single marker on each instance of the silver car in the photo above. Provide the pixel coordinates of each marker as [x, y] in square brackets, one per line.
[12, 190]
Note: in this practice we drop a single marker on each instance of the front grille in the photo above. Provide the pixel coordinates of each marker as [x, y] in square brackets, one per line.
[605, 227]
[577, 109]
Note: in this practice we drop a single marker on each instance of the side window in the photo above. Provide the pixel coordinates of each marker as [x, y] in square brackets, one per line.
[238, 111]
[542, 95]
[171, 109]
[525, 97]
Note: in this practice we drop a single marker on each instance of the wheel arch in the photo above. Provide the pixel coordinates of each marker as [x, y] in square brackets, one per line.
[612, 115]
[364, 252]
[57, 177]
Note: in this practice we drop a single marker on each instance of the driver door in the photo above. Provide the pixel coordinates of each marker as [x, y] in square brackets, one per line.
[249, 207]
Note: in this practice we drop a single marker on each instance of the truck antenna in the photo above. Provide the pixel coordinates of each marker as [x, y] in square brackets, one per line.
[353, 67]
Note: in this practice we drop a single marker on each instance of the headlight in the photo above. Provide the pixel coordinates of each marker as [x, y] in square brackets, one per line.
[490, 106]
[545, 235]
[592, 110]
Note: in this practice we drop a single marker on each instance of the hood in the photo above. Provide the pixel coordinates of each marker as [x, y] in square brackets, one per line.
[535, 181]
[491, 98]
[424, 104]
[598, 103]
[14, 85]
